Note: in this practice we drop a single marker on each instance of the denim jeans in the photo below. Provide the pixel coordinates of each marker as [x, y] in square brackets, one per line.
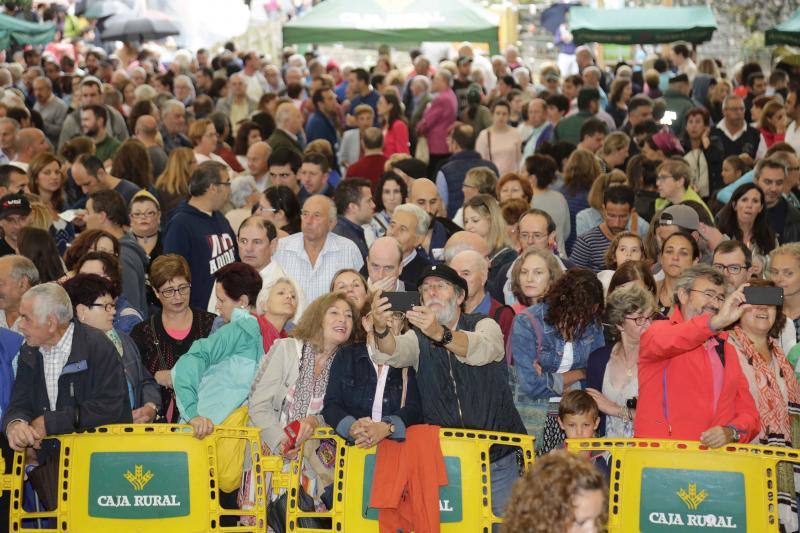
[503, 473]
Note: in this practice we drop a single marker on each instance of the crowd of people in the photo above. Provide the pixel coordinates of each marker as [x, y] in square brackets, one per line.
[224, 234]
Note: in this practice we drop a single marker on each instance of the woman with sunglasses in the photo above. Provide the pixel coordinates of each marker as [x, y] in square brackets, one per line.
[611, 376]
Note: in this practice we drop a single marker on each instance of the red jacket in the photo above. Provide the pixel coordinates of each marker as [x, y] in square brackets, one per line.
[395, 139]
[369, 167]
[672, 355]
[405, 485]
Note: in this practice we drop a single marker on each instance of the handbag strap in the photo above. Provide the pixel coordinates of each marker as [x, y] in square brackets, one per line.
[489, 139]
[405, 388]
[162, 363]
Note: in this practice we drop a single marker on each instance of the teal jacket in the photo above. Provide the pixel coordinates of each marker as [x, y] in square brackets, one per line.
[213, 378]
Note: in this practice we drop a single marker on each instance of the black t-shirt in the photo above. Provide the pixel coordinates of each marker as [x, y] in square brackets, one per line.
[777, 216]
[5, 248]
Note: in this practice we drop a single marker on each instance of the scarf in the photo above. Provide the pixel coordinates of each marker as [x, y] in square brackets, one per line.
[773, 406]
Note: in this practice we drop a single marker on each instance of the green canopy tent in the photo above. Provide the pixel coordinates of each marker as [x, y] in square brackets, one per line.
[393, 22]
[642, 25]
[22, 32]
[787, 32]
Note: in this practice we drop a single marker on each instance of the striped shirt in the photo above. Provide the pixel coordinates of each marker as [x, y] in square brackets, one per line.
[589, 250]
[54, 359]
[315, 280]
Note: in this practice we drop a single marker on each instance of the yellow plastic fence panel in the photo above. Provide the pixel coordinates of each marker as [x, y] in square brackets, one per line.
[670, 486]
[139, 478]
[465, 504]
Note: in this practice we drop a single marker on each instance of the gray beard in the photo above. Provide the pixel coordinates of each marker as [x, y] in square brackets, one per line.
[447, 316]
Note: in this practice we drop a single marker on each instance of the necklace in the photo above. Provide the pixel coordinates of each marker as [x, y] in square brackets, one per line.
[628, 369]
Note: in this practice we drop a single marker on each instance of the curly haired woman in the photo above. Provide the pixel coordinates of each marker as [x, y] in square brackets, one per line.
[551, 342]
[562, 493]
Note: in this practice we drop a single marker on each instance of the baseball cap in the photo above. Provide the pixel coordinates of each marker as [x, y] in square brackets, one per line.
[446, 273]
[463, 60]
[680, 215]
[14, 204]
[680, 78]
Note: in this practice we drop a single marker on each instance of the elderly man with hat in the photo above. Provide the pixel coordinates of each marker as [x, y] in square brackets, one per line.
[14, 212]
[459, 362]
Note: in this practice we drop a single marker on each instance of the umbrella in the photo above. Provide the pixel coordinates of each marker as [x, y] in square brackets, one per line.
[554, 16]
[149, 26]
[106, 8]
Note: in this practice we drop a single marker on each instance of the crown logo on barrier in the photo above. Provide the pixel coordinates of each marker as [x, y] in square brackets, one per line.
[140, 478]
[692, 498]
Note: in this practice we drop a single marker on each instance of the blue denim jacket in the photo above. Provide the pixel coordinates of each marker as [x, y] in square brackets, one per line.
[526, 351]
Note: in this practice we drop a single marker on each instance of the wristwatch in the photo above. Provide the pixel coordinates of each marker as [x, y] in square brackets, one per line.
[154, 406]
[447, 337]
[736, 433]
[388, 422]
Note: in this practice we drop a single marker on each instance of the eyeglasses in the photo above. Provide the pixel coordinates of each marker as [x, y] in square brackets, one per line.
[531, 236]
[147, 214]
[109, 307]
[662, 177]
[642, 320]
[731, 269]
[428, 287]
[792, 169]
[224, 183]
[711, 295]
[183, 290]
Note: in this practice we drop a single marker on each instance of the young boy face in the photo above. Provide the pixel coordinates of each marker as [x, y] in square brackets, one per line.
[579, 426]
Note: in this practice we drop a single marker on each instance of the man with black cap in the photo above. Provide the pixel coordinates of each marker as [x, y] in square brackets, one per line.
[14, 211]
[459, 362]
[678, 102]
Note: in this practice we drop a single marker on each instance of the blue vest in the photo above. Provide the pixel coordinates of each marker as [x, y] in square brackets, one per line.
[454, 171]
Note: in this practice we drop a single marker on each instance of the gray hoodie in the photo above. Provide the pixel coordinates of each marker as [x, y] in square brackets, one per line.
[134, 261]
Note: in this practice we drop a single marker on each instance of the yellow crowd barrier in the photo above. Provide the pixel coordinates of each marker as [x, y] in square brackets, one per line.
[157, 478]
[465, 504]
[137, 478]
[670, 486]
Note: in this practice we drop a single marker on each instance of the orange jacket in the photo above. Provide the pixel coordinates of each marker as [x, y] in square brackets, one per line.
[672, 356]
[403, 489]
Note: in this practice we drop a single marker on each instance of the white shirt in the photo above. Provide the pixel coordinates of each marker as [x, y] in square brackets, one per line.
[377, 403]
[315, 280]
[566, 359]
[793, 136]
[54, 359]
[200, 158]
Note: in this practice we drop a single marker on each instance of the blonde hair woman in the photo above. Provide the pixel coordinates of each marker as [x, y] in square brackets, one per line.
[482, 216]
[173, 185]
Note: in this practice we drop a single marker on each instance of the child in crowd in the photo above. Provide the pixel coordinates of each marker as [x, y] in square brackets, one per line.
[578, 417]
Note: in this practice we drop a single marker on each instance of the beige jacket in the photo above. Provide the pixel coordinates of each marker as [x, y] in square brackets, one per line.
[277, 372]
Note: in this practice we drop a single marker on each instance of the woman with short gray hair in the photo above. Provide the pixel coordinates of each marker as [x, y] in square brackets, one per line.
[244, 195]
[612, 377]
